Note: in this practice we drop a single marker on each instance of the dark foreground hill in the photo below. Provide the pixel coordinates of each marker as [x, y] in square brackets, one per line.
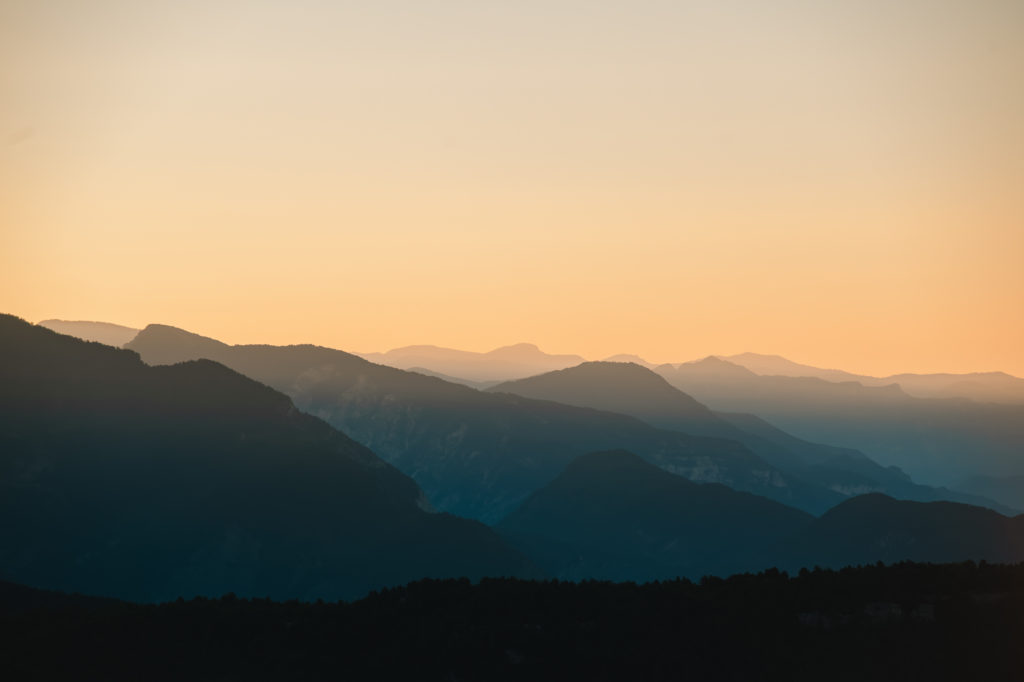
[475, 454]
[613, 516]
[902, 622]
[876, 527]
[146, 483]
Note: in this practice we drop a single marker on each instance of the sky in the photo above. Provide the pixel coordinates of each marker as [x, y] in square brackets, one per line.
[841, 183]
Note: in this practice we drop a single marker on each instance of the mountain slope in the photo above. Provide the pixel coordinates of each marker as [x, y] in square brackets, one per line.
[996, 387]
[476, 454]
[147, 483]
[611, 515]
[938, 441]
[626, 388]
[875, 527]
[103, 332]
[1008, 490]
[629, 389]
[500, 364]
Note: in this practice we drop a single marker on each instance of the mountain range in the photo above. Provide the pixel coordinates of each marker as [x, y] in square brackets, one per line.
[614, 516]
[476, 454]
[996, 387]
[507, 362]
[149, 483]
[630, 389]
[182, 476]
[102, 332]
[517, 361]
[940, 441]
[937, 441]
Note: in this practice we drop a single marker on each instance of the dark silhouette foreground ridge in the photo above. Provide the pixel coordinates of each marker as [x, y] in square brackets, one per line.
[904, 622]
[148, 483]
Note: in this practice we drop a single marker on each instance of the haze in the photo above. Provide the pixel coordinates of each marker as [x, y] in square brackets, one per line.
[835, 182]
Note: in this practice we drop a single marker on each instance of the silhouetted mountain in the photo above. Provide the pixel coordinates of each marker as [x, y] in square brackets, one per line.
[1008, 490]
[710, 367]
[475, 454]
[147, 483]
[996, 387]
[876, 527]
[776, 365]
[938, 441]
[635, 359]
[500, 364]
[627, 388]
[102, 332]
[611, 515]
[851, 472]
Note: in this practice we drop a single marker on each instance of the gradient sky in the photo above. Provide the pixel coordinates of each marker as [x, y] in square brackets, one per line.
[838, 182]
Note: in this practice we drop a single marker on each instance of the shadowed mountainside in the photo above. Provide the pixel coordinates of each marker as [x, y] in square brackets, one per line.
[627, 388]
[613, 516]
[475, 454]
[1008, 490]
[875, 527]
[147, 483]
[935, 441]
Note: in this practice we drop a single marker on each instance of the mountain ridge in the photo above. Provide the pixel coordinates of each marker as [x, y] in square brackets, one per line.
[628, 388]
[475, 453]
[148, 483]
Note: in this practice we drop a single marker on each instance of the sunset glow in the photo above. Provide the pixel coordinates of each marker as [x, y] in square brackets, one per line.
[840, 183]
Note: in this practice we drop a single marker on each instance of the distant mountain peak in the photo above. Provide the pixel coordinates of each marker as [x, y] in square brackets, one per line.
[627, 357]
[714, 364]
[103, 332]
[501, 364]
[624, 375]
[157, 332]
[754, 356]
[530, 347]
[48, 323]
[163, 344]
[528, 352]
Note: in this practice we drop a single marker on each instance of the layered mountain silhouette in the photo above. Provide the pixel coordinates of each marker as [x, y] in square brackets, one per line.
[613, 516]
[626, 357]
[939, 441]
[876, 527]
[103, 332]
[146, 483]
[475, 454]
[479, 385]
[1008, 490]
[630, 389]
[501, 364]
[997, 387]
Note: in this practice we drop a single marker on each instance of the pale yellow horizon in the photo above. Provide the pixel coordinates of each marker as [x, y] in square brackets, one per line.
[836, 183]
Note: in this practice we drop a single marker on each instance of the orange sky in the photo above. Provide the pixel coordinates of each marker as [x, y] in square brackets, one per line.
[840, 183]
